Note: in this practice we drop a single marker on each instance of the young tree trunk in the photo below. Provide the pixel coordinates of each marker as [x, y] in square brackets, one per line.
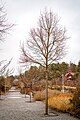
[30, 96]
[0, 94]
[25, 92]
[46, 95]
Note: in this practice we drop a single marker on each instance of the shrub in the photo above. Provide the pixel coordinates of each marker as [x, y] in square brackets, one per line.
[61, 102]
[40, 95]
[76, 103]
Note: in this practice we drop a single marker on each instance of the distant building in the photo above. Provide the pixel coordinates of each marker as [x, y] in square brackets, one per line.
[16, 82]
[69, 75]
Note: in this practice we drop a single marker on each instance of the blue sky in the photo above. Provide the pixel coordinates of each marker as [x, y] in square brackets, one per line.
[25, 14]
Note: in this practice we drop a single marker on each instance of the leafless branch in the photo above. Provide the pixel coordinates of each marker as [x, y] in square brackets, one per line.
[46, 42]
[5, 27]
[4, 70]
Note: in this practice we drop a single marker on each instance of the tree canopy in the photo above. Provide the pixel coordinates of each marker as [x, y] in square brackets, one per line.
[47, 41]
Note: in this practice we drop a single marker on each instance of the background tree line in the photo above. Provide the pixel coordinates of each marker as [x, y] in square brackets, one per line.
[55, 72]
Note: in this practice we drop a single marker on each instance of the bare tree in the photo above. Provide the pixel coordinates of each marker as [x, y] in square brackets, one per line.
[45, 45]
[4, 30]
[4, 73]
[4, 25]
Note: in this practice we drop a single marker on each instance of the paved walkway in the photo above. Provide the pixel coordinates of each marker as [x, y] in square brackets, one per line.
[14, 93]
[19, 108]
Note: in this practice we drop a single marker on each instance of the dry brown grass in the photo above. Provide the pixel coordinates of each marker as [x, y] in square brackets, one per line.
[61, 102]
[40, 95]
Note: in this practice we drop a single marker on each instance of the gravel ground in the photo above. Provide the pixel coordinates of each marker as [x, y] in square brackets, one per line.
[22, 109]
